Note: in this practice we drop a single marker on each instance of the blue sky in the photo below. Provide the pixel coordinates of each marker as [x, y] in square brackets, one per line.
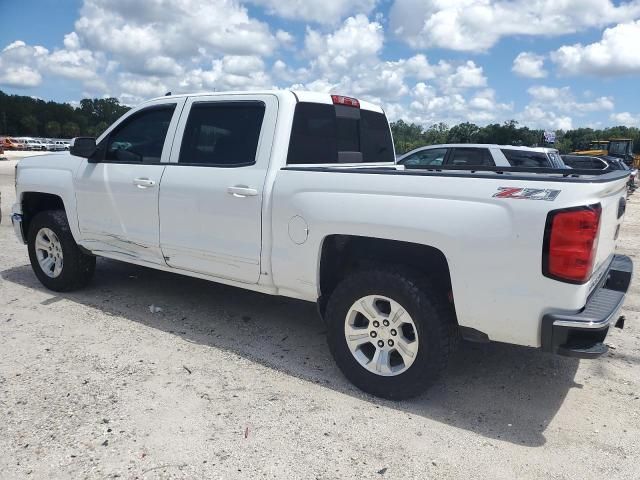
[545, 63]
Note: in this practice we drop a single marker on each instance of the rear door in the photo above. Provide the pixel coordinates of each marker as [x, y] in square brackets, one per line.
[212, 191]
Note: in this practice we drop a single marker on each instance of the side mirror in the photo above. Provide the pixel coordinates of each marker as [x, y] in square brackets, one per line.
[83, 147]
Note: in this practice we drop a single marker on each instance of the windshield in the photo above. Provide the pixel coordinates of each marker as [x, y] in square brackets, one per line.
[619, 147]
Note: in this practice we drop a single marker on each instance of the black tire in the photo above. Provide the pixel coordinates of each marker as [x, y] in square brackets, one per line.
[78, 267]
[432, 315]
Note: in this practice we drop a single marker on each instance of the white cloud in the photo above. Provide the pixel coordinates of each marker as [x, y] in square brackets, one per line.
[617, 53]
[626, 119]
[285, 38]
[19, 65]
[21, 77]
[467, 75]
[529, 65]
[319, 11]
[477, 25]
[535, 116]
[357, 40]
[555, 108]
[562, 99]
[179, 29]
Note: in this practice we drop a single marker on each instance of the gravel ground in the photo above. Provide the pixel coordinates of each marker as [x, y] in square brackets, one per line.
[224, 383]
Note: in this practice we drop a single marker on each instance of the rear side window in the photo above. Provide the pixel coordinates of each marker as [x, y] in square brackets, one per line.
[425, 158]
[523, 158]
[222, 134]
[140, 138]
[472, 157]
[330, 134]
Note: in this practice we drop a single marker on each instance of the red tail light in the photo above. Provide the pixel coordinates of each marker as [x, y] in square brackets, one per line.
[348, 101]
[571, 240]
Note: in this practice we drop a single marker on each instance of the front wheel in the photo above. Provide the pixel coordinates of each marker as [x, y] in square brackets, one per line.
[390, 331]
[55, 257]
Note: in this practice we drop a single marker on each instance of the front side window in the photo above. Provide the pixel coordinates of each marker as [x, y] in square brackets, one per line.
[425, 158]
[472, 157]
[223, 134]
[140, 138]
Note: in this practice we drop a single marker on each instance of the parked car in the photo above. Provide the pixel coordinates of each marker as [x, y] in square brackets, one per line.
[62, 144]
[479, 155]
[602, 163]
[48, 144]
[297, 194]
[33, 144]
[11, 143]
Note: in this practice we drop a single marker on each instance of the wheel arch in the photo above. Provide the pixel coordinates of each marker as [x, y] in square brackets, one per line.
[341, 254]
[33, 202]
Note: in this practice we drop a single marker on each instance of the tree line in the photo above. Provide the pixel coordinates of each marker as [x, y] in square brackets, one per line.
[408, 136]
[22, 116]
[27, 116]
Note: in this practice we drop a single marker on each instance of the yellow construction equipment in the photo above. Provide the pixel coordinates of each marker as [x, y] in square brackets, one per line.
[597, 148]
[616, 147]
[623, 148]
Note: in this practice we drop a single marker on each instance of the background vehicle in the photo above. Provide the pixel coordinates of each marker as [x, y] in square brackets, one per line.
[621, 148]
[597, 148]
[602, 163]
[10, 143]
[297, 194]
[32, 144]
[477, 155]
[62, 144]
[49, 144]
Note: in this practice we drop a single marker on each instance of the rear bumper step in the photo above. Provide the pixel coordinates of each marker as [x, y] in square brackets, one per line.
[582, 334]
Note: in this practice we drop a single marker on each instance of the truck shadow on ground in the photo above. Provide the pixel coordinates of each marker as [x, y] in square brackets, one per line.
[498, 391]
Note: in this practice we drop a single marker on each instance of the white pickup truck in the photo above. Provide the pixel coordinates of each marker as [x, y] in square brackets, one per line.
[298, 194]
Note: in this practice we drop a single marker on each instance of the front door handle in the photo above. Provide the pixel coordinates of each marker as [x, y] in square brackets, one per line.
[242, 191]
[144, 183]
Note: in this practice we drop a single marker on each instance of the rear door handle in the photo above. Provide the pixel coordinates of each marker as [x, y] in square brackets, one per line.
[144, 183]
[242, 191]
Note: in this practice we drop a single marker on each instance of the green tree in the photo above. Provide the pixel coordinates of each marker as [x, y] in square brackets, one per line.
[29, 124]
[437, 133]
[70, 130]
[52, 129]
[463, 133]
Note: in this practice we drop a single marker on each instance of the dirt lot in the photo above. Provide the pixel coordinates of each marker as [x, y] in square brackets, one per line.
[224, 383]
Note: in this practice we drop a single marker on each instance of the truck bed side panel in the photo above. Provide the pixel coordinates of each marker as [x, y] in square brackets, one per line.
[493, 245]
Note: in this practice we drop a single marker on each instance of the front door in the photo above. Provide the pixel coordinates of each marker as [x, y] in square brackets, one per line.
[211, 194]
[117, 190]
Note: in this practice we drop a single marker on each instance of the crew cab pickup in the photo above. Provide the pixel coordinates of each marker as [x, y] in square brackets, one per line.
[298, 194]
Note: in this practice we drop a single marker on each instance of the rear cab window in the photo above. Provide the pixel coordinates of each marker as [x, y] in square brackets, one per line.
[324, 133]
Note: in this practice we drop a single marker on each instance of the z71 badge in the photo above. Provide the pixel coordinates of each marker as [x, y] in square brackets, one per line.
[527, 193]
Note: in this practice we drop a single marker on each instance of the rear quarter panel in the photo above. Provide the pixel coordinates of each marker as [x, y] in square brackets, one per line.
[493, 245]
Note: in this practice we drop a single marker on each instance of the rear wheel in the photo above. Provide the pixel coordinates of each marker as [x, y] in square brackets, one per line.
[55, 257]
[390, 331]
